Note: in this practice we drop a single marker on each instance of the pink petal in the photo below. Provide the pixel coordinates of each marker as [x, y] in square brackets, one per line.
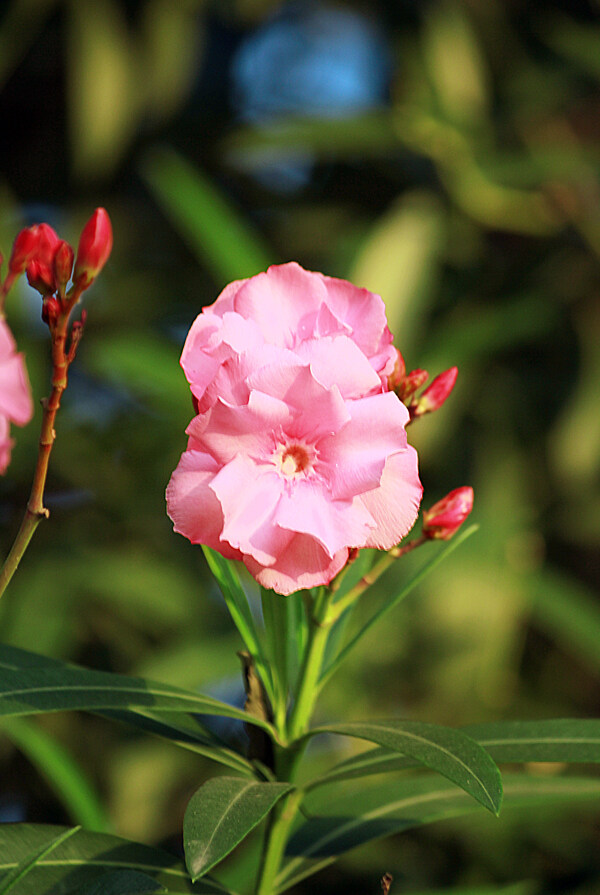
[284, 302]
[248, 494]
[192, 506]
[306, 508]
[395, 504]
[15, 393]
[303, 564]
[338, 361]
[226, 431]
[6, 444]
[353, 459]
[361, 310]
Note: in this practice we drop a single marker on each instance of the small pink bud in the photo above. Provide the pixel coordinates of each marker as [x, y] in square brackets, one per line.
[23, 249]
[95, 244]
[63, 265]
[411, 382]
[435, 394]
[40, 269]
[446, 516]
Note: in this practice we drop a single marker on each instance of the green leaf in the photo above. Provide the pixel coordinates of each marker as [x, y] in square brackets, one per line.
[237, 602]
[84, 857]
[443, 749]
[222, 813]
[568, 740]
[180, 728]
[122, 882]
[344, 822]
[213, 228]
[60, 770]
[20, 871]
[46, 687]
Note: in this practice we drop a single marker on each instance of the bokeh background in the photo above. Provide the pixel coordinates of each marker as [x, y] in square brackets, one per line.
[444, 153]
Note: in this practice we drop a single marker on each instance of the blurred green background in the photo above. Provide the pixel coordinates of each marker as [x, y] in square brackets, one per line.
[445, 154]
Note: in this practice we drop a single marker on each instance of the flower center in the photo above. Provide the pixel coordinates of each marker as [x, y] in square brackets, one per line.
[293, 459]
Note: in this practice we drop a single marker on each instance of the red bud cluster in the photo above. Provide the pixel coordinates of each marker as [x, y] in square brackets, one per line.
[48, 262]
[407, 384]
[445, 517]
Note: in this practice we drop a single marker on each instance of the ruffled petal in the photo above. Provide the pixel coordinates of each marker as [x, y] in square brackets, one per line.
[395, 504]
[284, 302]
[353, 459]
[193, 508]
[303, 564]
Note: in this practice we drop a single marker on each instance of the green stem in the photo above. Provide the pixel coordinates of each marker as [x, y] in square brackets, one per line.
[276, 837]
[311, 666]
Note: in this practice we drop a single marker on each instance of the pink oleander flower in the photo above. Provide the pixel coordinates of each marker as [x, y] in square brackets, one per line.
[298, 453]
[15, 396]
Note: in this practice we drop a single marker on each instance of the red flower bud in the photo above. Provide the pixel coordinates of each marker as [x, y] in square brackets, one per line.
[51, 308]
[414, 380]
[446, 516]
[63, 264]
[95, 245]
[41, 276]
[23, 249]
[435, 394]
[396, 378]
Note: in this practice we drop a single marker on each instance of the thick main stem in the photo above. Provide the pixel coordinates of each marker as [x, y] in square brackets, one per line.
[276, 837]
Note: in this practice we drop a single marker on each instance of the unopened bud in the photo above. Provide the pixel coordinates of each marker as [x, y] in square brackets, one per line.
[95, 244]
[51, 308]
[446, 516]
[63, 265]
[411, 382]
[41, 277]
[23, 249]
[435, 394]
[396, 378]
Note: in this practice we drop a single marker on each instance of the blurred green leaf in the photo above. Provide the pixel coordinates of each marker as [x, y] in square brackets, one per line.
[400, 261]
[214, 230]
[570, 614]
[448, 751]
[122, 882]
[80, 861]
[103, 84]
[145, 364]
[61, 771]
[220, 815]
[342, 822]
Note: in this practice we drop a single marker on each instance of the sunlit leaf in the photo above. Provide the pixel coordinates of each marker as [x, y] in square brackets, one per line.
[222, 813]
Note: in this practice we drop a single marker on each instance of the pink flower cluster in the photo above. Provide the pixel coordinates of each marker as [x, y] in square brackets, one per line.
[298, 452]
[15, 397]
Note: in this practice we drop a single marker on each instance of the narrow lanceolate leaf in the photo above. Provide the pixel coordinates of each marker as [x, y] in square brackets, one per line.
[81, 860]
[443, 749]
[339, 824]
[177, 726]
[54, 688]
[570, 740]
[220, 814]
